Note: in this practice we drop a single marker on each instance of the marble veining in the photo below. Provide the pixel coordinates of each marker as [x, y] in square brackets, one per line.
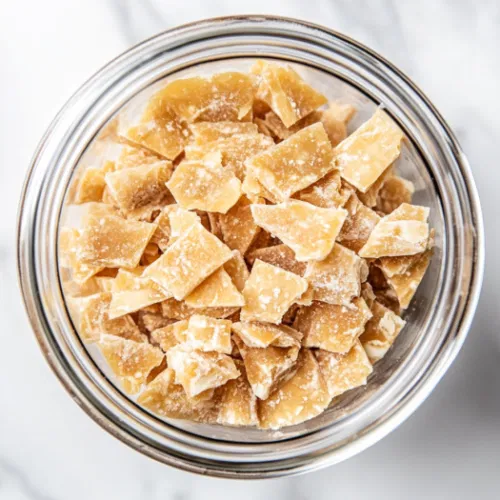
[50, 450]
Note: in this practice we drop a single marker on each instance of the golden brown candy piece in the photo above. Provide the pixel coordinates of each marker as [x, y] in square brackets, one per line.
[238, 404]
[205, 334]
[132, 156]
[168, 399]
[90, 186]
[330, 327]
[202, 186]
[204, 132]
[131, 292]
[288, 95]
[295, 163]
[238, 228]
[255, 334]
[269, 292]
[237, 270]
[111, 241]
[310, 231]
[380, 332]
[343, 372]
[168, 336]
[137, 187]
[218, 290]
[364, 155]
[300, 398]
[337, 278]
[130, 361]
[328, 192]
[393, 193]
[403, 232]
[199, 371]
[280, 256]
[370, 197]
[175, 309]
[194, 256]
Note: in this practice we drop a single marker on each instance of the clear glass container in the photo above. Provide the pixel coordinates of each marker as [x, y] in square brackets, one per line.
[438, 319]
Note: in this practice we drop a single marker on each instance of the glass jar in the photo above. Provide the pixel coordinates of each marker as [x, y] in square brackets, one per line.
[438, 319]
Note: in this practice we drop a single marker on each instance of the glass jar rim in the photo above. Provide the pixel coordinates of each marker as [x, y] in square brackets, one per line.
[42, 200]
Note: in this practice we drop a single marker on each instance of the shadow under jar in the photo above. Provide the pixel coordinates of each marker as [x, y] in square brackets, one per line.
[437, 320]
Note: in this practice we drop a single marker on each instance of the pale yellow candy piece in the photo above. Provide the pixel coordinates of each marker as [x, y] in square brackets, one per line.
[136, 187]
[308, 230]
[90, 185]
[180, 221]
[280, 256]
[380, 332]
[343, 372]
[295, 163]
[300, 398]
[218, 290]
[174, 309]
[164, 397]
[238, 228]
[168, 336]
[148, 213]
[131, 293]
[237, 270]
[364, 155]
[206, 334]
[254, 190]
[130, 361]
[73, 289]
[406, 282]
[402, 232]
[222, 97]
[358, 225]
[194, 256]
[288, 95]
[337, 278]
[335, 120]
[238, 404]
[328, 192]
[114, 242]
[266, 367]
[331, 327]
[132, 156]
[199, 371]
[255, 334]
[69, 243]
[370, 197]
[94, 320]
[393, 193]
[234, 151]
[204, 132]
[196, 185]
[269, 292]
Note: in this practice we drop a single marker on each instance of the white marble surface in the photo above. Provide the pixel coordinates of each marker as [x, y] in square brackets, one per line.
[49, 449]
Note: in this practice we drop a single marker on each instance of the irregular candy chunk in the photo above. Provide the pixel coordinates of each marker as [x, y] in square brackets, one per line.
[332, 327]
[302, 397]
[194, 256]
[370, 197]
[269, 292]
[280, 256]
[132, 292]
[343, 372]
[255, 334]
[174, 309]
[150, 254]
[393, 193]
[196, 185]
[164, 397]
[366, 153]
[94, 320]
[328, 192]
[199, 371]
[266, 366]
[204, 132]
[308, 230]
[238, 227]
[288, 95]
[151, 321]
[130, 361]
[402, 232]
[237, 270]
[205, 334]
[238, 404]
[380, 332]
[359, 224]
[114, 242]
[295, 163]
[90, 186]
[137, 187]
[278, 129]
[337, 278]
[132, 156]
[179, 221]
[169, 336]
[217, 290]
[335, 120]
